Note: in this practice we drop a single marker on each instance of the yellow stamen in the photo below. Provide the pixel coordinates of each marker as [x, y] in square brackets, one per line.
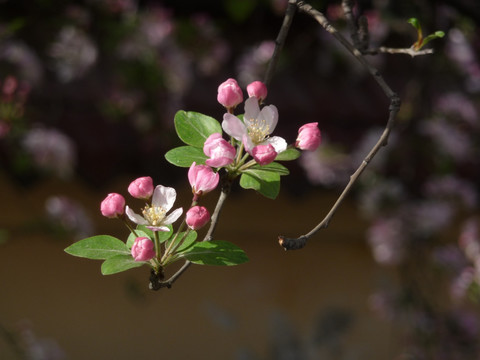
[258, 130]
[154, 214]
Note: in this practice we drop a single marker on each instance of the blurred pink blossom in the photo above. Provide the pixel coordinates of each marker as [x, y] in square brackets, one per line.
[51, 150]
[387, 239]
[70, 215]
[73, 53]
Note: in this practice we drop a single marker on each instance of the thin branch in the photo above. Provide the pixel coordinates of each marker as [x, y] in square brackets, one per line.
[351, 21]
[300, 242]
[386, 50]
[156, 281]
[280, 41]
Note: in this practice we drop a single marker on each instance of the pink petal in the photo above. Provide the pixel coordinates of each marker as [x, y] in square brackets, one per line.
[233, 126]
[251, 108]
[270, 115]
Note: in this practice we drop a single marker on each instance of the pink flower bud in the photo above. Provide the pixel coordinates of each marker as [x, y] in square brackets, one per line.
[264, 154]
[202, 179]
[229, 94]
[141, 188]
[219, 150]
[257, 89]
[309, 137]
[197, 217]
[143, 249]
[113, 205]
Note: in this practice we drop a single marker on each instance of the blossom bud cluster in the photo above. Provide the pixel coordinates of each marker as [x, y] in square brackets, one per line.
[160, 200]
[254, 131]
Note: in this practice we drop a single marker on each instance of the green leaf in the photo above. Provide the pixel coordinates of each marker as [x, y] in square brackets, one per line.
[288, 155]
[148, 231]
[189, 240]
[119, 263]
[266, 183]
[165, 235]
[215, 252]
[98, 247]
[272, 167]
[184, 156]
[415, 23]
[194, 128]
[436, 35]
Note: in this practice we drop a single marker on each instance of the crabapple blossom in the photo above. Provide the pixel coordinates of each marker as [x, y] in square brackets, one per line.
[113, 205]
[155, 215]
[202, 178]
[143, 249]
[219, 150]
[141, 188]
[256, 127]
[257, 89]
[309, 137]
[264, 154]
[197, 217]
[229, 94]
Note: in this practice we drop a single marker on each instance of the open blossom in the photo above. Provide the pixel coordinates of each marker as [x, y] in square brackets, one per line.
[113, 205]
[229, 94]
[141, 188]
[143, 249]
[197, 217]
[264, 154]
[155, 215]
[309, 137]
[220, 151]
[202, 178]
[256, 127]
[257, 89]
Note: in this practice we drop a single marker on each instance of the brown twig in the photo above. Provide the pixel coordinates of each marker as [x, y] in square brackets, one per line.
[300, 242]
[280, 40]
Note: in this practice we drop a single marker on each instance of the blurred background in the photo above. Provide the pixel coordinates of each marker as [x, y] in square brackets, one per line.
[88, 92]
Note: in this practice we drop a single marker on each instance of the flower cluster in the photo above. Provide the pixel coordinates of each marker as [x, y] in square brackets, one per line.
[254, 131]
[249, 154]
[156, 215]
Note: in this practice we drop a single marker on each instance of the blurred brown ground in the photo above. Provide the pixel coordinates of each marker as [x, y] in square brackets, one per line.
[210, 313]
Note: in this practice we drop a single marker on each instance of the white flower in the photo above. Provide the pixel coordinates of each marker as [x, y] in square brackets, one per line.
[154, 215]
[256, 127]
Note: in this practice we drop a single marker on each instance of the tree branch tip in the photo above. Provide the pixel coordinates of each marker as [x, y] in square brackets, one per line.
[292, 244]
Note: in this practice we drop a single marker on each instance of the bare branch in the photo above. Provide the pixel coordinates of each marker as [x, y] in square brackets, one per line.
[351, 21]
[300, 242]
[410, 51]
[280, 41]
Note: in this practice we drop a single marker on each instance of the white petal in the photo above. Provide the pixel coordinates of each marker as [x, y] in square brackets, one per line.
[173, 216]
[270, 115]
[251, 108]
[233, 126]
[164, 197]
[137, 219]
[278, 143]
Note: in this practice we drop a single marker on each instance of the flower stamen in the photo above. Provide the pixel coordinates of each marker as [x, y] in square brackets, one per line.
[258, 130]
[154, 214]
